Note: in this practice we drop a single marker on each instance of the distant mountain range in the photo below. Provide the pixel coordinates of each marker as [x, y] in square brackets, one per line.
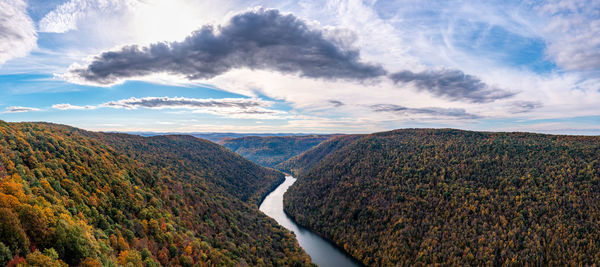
[217, 137]
[269, 151]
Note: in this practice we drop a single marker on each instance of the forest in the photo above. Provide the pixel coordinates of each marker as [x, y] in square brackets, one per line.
[270, 151]
[418, 197]
[300, 164]
[78, 198]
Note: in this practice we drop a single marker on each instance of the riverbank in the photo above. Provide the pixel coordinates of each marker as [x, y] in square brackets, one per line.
[322, 252]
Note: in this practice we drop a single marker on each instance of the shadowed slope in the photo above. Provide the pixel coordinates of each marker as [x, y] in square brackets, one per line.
[453, 197]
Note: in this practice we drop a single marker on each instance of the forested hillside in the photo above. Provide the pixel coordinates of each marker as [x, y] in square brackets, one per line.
[272, 150]
[191, 159]
[302, 163]
[411, 197]
[68, 196]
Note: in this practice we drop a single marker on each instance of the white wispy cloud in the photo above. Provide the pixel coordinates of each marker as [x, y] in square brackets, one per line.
[17, 32]
[133, 21]
[67, 16]
[72, 107]
[17, 109]
[572, 31]
[227, 107]
[427, 112]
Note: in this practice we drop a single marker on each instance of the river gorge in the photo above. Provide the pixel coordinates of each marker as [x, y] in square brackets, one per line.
[321, 251]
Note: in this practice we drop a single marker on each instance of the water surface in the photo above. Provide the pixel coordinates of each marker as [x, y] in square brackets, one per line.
[321, 251]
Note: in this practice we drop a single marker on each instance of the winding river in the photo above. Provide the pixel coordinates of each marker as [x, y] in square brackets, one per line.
[321, 251]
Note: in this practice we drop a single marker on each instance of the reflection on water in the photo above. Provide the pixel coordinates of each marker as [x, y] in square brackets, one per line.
[321, 251]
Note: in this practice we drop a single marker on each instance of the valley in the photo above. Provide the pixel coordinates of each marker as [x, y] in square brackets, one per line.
[271, 151]
[147, 133]
[398, 198]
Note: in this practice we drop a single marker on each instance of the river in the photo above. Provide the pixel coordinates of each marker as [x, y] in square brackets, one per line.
[321, 251]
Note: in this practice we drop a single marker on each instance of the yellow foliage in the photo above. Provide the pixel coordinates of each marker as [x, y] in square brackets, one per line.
[89, 262]
[37, 259]
[122, 244]
[46, 185]
[8, 201]
[188, 250]
[13, 186]
[122, 259]
[130, 258]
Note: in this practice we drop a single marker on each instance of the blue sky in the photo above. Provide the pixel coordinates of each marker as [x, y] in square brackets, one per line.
[337, 66]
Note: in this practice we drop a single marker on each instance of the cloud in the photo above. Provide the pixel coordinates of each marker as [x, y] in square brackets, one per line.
[67, 15]
[572, 32]
[17, 31]
[228, 107]
[17, 109]
[258, 39]
[433, 112]
[110, 23]
[336, 103]
[524, 106]
[185, 103]
[72, 107]
[453, 84]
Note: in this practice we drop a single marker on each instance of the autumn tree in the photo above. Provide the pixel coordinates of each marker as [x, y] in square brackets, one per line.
[11, 232]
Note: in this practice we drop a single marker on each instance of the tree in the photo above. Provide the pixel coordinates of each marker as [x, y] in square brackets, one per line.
[130, 258]
[47, 259]
[90, 262]
[36, 225]
[5, 254]
[11, 232]
[72, 243]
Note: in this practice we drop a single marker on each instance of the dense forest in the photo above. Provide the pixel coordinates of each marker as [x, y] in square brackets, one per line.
[451, 197]
[272, 150]
[69, 196]
[302, 163]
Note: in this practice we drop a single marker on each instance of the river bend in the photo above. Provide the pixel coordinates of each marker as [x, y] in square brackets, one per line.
[321, 251]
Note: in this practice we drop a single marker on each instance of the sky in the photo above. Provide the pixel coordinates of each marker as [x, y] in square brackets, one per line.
[328, 66]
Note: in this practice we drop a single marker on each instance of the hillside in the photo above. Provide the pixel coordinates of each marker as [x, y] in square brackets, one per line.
[83, 198]
[191, 159]
[302, 163]
[411, 197]
[272, 150]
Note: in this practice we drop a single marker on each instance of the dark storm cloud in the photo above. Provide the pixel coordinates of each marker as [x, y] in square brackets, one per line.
[268, 40]
[259, 39]
[434, 112]
[453, 84]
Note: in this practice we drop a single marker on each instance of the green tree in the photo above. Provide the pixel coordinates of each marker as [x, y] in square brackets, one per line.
[11, 232]
[5, 254]
[36, 226]
[71, 243]
[47, 259]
